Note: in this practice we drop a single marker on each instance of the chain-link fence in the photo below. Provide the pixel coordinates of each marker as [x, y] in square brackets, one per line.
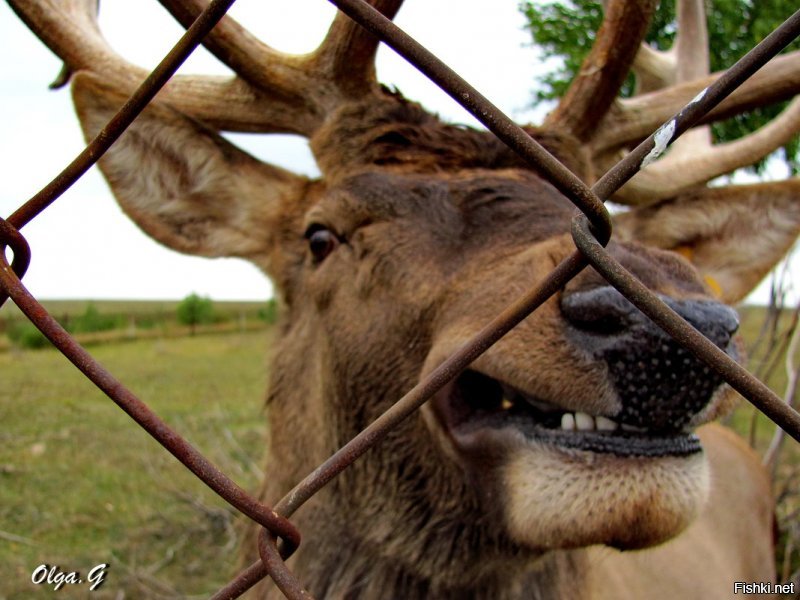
[591, 231]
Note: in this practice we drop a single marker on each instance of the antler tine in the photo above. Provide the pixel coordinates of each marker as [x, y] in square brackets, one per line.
[691, 41]
[341, 67]
[348, 51]
[654, 69]
[69, 28]
[59, 24]
[688, 60]
[247, 56]
[692, 61]
[603, 72]
[345, 57]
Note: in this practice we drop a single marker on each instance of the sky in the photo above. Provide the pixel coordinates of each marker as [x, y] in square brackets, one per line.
[84, 247]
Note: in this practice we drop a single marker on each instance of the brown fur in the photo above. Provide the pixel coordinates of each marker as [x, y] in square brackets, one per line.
[439, 228]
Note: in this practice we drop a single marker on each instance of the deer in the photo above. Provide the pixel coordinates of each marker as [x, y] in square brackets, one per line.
[580, 455]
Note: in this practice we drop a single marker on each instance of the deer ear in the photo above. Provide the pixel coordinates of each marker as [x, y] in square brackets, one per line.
[185, 185]
[733, 235]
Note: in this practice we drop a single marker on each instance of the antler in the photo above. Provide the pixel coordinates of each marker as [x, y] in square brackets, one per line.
[693, 159]
[345, 58]
[632, 119]
[667, 80]
[604, 70]
[271, 92]
[686, 167]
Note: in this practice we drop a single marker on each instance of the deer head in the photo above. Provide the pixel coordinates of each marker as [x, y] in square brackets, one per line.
[577, 427]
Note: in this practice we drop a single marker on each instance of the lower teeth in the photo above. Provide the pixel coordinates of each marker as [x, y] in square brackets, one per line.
[584, 422]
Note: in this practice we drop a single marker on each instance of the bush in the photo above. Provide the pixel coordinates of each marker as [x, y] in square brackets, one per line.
[91, 320]
[195, 310]
[25, 334]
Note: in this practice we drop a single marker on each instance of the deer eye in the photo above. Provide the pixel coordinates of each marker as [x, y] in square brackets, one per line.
[321, 241]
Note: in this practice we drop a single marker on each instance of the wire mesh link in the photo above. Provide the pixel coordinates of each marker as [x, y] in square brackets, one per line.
[591, 232]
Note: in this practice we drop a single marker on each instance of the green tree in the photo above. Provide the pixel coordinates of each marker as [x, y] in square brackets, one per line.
[565, 31]
[93, 320]
[195, 310]
[24, 334]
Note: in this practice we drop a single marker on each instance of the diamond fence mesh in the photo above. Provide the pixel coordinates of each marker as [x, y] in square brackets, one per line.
[591, 231]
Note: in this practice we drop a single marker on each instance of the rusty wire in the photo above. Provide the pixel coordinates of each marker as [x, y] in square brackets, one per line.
[591, 232]
[105, 381]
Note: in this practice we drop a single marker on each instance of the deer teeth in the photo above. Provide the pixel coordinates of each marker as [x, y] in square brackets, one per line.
[568, 422]
[580, 421]
[605, 424]
[584, 422]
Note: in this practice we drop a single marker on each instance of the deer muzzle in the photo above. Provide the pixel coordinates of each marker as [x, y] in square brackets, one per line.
[662, 392]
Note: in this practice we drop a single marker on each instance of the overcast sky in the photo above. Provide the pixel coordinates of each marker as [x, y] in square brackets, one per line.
[84, 247]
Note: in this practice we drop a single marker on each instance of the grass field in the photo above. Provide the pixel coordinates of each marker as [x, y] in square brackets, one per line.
[81, 485]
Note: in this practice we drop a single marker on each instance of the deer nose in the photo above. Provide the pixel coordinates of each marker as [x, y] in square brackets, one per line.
[660, 385]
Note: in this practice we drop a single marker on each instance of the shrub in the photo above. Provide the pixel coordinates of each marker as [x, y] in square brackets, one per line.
[25, 334]
[195, 310]
[91, 320]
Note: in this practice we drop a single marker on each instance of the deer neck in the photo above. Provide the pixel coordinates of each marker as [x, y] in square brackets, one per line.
[340, 566]
[368, 579]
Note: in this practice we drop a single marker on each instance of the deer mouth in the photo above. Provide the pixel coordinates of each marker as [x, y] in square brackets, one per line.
[475, 408]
